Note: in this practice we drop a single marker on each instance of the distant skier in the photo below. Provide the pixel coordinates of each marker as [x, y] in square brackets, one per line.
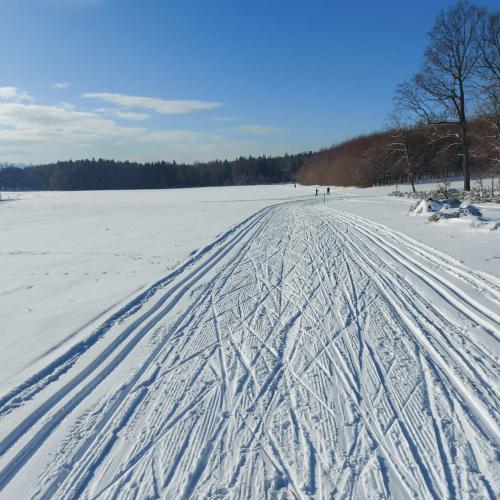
[328, 190]
[295, 185]
[316, 191]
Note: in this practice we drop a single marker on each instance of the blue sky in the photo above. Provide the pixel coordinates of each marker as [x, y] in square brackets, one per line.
[193, 80]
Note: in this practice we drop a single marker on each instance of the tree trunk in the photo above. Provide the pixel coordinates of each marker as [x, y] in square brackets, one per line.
[466, 156]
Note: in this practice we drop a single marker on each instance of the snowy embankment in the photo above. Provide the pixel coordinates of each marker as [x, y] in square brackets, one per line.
[471, 244]
[325, 350]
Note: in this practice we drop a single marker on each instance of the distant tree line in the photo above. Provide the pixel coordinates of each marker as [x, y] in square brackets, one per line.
[446, 118]
[398, 155]
[111, 174]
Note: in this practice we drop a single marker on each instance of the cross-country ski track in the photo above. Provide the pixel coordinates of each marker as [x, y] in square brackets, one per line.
[305, 353]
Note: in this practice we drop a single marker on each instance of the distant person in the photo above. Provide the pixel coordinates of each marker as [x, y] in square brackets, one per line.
[316, 191]
[328, 190]
[295, 185]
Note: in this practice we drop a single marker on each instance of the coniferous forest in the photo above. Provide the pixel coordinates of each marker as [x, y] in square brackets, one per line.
[111, 174]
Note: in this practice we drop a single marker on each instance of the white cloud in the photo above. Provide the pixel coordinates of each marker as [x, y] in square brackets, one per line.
[172, 135]
[38, 133]
[130, 115]
[32, 122]
[60, 85]
[126, 115]
[225, 118]
[67, 105]
[35, 133]
[152, 103]
[73, 3]
[14, 94]
[259, 129]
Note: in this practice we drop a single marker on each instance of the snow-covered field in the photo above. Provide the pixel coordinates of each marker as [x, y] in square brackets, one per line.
[343, 349]
[67, 259]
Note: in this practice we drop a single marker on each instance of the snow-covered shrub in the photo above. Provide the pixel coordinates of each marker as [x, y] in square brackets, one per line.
[442, 192]
[430, 205]
[464, 210]
[409, 194]
[437, 210]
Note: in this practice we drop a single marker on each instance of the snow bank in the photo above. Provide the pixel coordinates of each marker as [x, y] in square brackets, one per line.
[445, 209]
[451, 211]
[430, 206]
[470, 240]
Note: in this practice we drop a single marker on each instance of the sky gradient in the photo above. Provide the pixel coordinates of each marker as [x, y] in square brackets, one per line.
[194, 80]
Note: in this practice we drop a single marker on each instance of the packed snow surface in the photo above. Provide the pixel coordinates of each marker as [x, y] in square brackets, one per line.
[307, 349]
[69, 259]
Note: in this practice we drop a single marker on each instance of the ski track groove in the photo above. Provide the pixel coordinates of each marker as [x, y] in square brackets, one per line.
[307, 352]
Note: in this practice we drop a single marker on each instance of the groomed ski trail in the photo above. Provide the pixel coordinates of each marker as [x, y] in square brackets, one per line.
[306, 353]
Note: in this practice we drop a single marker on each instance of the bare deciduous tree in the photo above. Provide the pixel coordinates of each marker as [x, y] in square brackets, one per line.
[489, 46]
[441, 92]
[487, 139]
[406, 148]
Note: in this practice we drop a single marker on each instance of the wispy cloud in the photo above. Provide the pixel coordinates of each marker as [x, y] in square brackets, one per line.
[260, 129]
[131, 115]
[173, 135]
[33, 122]
[152, 103]
[73, 3]
[14, 94]
[36, 132]
[225, 118]
[60, 85]
[126, 115]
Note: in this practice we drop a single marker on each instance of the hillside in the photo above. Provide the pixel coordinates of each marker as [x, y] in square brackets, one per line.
[397, 155]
